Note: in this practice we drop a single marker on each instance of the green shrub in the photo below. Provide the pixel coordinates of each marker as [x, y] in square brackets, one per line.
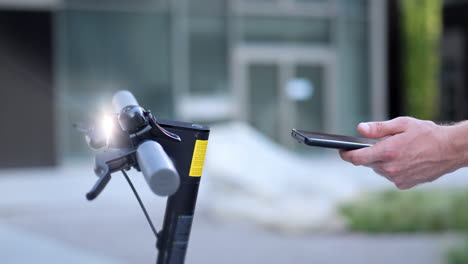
[421, 27]
[413, 211]
[459, 254]
[408, 211]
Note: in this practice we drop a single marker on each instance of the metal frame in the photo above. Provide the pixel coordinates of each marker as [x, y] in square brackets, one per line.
[284, 8]
[378, 59]
[111, 6]
[180, 64]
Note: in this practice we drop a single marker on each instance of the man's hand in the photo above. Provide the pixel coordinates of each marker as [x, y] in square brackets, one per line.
[413, 152]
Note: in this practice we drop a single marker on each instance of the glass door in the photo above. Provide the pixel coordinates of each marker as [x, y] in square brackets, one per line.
[305, 91]
[283, 89]
[263, 94]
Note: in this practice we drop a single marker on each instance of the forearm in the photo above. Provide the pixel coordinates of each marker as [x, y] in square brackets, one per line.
[456, 139]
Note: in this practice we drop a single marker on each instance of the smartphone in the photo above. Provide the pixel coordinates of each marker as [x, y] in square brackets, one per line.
[331, 141]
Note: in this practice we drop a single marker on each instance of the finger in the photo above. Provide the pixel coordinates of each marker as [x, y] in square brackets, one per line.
[405, 186]
[344, 155]
[382, 173]
[377, 130]
[362, 157]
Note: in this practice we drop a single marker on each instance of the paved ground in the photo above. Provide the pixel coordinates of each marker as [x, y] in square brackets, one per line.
[44, 218]
[108, 236]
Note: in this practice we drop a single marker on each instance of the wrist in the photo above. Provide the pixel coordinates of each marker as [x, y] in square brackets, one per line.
[456, 139]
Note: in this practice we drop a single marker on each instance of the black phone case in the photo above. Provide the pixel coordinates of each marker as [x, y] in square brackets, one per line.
[327, 143]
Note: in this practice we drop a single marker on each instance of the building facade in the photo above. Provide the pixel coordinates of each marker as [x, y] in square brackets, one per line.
[276, 64]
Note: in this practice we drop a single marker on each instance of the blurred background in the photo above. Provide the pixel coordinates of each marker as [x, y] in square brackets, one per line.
[252, 70]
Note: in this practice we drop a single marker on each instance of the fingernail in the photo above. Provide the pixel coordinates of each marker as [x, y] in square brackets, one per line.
[364, 127]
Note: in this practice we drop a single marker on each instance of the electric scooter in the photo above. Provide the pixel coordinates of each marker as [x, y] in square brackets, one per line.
[170, 155]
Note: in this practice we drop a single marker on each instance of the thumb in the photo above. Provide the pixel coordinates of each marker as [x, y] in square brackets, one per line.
[377, 130]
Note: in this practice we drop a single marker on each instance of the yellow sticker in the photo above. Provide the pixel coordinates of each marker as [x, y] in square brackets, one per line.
[198, 159]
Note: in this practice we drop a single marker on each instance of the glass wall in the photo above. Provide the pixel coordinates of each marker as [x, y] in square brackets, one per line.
[169, 53]
[325, 49]
[102, 51]
[207, 29]
[309, 106]
[353, 64]
[264, 93]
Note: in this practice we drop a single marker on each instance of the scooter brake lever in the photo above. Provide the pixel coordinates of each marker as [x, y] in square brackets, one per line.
[106, 163]
[99, 185]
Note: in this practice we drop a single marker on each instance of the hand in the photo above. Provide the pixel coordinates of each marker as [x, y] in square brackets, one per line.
[414, 151]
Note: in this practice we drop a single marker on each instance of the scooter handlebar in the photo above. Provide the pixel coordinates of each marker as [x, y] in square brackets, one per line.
[154, 163]
[158, 169]
[121, 99]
